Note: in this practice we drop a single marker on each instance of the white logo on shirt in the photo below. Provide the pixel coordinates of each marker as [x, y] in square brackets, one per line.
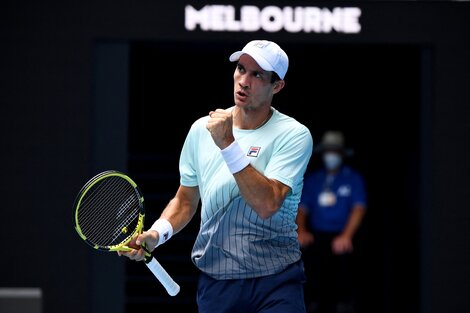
[344, 191]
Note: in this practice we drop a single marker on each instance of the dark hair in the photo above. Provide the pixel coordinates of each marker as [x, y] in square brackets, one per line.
[274, 77]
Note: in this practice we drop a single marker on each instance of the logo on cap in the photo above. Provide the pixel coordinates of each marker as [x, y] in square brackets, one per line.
[261, 44]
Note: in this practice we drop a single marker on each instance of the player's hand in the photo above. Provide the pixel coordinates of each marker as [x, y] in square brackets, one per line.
[220, 125]
[342, 244]
[148, 238]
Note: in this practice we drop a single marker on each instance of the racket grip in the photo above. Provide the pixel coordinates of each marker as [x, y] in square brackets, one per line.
[162, 275]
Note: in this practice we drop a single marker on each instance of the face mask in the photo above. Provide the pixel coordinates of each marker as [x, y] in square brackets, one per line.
[332, 160]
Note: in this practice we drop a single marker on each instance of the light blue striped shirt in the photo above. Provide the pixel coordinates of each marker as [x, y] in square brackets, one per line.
[233, 241]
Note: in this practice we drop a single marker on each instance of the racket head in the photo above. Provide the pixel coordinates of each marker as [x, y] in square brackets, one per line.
[109, 211]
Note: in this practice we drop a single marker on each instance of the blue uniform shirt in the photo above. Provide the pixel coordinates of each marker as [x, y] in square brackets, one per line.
[347, 189]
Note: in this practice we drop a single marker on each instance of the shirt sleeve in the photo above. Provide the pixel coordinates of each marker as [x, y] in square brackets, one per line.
[359, 195]
[187, 162]
[290, 160]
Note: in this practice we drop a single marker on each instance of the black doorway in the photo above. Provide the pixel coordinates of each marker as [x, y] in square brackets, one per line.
[370, 92]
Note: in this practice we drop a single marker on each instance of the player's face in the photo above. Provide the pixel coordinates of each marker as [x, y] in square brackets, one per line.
[252, 84]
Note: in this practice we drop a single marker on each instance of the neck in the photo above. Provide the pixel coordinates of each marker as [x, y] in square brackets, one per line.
[251, 119]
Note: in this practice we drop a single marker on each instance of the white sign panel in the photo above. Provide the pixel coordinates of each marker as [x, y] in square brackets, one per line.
[249, 18]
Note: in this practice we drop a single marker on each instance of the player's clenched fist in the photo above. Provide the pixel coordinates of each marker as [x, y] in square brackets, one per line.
[220, 125]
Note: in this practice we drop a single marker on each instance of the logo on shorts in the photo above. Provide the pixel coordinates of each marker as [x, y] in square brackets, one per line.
[253, 151]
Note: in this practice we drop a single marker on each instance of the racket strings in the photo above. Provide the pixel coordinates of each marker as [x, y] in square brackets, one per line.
[127, 221]
[114, 223]
[109, 211]
[96, 198]
[105, 209]
[105, 228]
[121, 229]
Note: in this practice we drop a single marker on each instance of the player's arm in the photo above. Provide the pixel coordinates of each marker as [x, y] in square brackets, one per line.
[178, 212]
[181, 209]
[265, 196]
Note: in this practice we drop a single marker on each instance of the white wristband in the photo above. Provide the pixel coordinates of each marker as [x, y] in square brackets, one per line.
[235, 157]
[164, 229]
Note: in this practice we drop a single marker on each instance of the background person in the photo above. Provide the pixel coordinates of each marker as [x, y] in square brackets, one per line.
[331, 210]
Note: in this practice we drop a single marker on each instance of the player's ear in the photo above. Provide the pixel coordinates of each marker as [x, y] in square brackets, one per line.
[278, 85]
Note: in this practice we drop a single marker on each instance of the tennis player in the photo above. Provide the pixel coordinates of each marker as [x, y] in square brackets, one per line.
[245, 165]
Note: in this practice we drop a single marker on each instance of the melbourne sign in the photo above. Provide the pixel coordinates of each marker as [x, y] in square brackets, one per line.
[249, 18]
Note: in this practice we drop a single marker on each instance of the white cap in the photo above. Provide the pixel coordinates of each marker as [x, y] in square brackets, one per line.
[268, 55]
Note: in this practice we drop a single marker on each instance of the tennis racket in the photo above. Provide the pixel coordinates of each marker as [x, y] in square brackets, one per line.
[109, 213]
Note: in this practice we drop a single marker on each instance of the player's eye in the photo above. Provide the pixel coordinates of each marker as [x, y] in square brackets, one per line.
[259, 75]
[240, 68]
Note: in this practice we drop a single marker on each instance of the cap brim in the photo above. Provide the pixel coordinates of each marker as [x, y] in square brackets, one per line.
[235, 56]
[260, 60]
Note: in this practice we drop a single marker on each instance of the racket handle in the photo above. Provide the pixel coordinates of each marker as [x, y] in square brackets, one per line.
[162, 275]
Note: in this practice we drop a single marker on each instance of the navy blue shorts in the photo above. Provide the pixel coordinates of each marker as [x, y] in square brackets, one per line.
[278, 293]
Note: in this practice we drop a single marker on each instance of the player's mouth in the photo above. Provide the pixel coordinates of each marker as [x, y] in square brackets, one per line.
[241, 95]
